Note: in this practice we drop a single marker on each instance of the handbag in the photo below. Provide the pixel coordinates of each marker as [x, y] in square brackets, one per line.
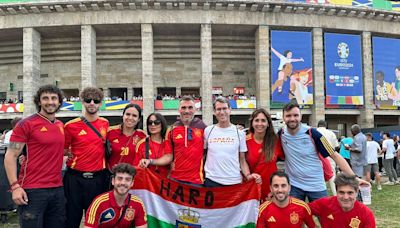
[107, 144]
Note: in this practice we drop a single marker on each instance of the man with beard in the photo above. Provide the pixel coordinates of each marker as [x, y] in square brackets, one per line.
[184, 146]
[38, 191]
[343, 210]
[117, 208]
[86, 176]
[283, 210]
[301, 146]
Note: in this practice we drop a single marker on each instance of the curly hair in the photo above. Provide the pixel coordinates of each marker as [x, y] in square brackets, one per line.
[124, 168]
[48, 89]
[92, 92]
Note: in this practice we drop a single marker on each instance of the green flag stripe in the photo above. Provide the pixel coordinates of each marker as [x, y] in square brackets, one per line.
[154, 222]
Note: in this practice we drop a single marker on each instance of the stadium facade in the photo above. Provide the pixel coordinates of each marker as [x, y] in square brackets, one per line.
[144, 48]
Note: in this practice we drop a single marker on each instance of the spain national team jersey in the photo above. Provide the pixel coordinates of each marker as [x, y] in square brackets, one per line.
[330, 214]
[104, 212]
[257, 163]
[86, 146]
[122, 146]
[44, 142]
[156, 150]
[293, 215]
[187, 147]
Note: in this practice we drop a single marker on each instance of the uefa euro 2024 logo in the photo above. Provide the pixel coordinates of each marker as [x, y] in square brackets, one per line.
[343, 50]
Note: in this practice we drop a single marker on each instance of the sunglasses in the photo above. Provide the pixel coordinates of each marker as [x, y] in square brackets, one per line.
[155, 122]
[88, 100]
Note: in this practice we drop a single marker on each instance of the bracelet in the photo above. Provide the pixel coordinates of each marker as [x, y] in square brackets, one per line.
[151, 161]
[14, 183]
[13, 188]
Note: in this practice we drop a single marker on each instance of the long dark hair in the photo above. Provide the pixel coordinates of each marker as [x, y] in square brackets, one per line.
[161, 118]
[270, 135]
[137, 107]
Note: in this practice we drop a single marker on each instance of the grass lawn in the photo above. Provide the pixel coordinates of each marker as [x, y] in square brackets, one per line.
[385, 205]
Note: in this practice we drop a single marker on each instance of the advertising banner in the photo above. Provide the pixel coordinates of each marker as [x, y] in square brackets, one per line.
[291, 67]
[386, 65]
[343, 69]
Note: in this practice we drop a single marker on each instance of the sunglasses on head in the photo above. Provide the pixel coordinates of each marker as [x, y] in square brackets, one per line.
[88, 100]
[155, 122]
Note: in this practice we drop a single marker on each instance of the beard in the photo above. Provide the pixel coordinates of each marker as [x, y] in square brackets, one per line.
[92, 111]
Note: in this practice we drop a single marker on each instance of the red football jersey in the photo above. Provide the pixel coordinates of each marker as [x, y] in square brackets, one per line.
[293, 215]
[156, 150]
[87, 148]
[188, 148]
[122, 146]
[257, 164]
[104, 212]
[330, 214]
[45, 150]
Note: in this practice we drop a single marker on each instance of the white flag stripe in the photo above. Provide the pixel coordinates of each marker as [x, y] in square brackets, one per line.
[167, 211]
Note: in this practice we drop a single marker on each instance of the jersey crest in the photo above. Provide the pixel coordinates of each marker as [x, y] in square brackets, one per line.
[294, 218]
[355, 222]
[130, 214]
[107, 215]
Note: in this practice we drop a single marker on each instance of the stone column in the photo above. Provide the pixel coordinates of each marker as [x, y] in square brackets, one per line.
[106, 92]
[129, 93]
[366, 117]
[318, 108]
[147, 69]
[263, 92]
[206, 73]
[31, 68]
[88, 56]
[178, 90]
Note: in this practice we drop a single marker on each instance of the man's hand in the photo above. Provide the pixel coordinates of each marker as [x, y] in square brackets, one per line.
[19, 196]
[254, 176]
[363, 182]
[144, 163]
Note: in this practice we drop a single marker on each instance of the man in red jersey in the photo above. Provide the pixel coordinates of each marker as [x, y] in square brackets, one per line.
[283, 210]
[343, 210]
[86, 176]
[117, 208]
[184, 146]
[38, 191]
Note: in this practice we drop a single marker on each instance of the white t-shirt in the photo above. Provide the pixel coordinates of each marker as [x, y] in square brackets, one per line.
[390, 150]
[372, 152]
[222, 162]
[7, 137]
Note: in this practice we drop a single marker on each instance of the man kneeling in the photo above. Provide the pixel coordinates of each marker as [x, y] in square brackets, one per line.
[117, 208]
[343, 210]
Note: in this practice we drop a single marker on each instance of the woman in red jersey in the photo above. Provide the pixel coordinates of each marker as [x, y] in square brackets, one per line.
[156, 129]
[124, 137]
[262, 148]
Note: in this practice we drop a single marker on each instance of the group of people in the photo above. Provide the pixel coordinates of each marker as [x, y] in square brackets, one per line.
[188, 152]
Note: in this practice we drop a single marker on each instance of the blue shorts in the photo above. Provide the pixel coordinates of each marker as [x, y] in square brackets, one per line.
[311, 196]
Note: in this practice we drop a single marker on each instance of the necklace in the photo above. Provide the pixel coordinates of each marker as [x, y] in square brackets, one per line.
[152, 145]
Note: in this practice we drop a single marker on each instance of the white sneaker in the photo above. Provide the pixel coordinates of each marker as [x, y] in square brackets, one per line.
[379, 187]
[388, 183]
[397, 182]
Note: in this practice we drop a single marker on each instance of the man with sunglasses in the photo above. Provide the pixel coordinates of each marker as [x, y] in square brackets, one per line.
[184, 146]
[86, 176]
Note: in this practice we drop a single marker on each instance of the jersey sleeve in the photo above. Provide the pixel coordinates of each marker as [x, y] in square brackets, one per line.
[308, 219]
[68, 136]
[315, 207]
[168, 143]
[321, 143]
[261, 220]
[93, 213]
[140, 217]
[242, 145]
[139, 152]
[20, 133]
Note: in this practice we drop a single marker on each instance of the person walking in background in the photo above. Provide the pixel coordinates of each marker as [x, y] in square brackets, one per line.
[262, 152]
[358, 151]
[389, 152]
[345, 153]
[373, 149]
[150, 149]
[332, 140]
